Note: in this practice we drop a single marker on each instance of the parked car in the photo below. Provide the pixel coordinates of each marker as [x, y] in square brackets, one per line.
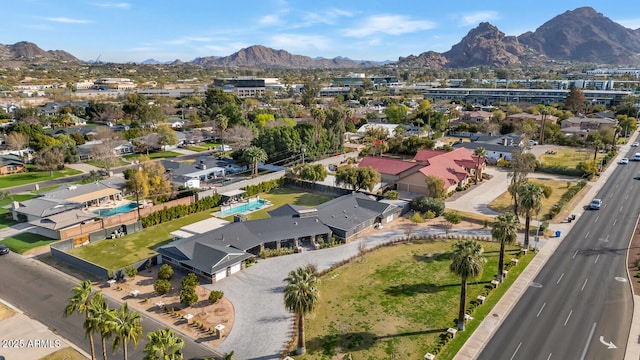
[595, 204]
[4, 249]
[624, 161]
[635, 144]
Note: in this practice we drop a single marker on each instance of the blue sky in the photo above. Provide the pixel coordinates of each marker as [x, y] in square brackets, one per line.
[136, 30]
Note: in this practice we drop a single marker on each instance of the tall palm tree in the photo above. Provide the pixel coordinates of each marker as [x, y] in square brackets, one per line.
[597, 144]
[222, 123]
[164, 345]
[99, 316]
[301, 297]
[481, 154]
[80, 302]
[467, 262]
[253, 155]
[530, 199]
[505, 230]
[126, 327]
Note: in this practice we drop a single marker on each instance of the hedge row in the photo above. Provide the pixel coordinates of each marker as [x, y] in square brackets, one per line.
[176, 212]
[565, 198]
[559, 170]
[264, 187]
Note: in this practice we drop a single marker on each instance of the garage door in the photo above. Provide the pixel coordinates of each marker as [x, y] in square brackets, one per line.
[221, 275]
[235, 268]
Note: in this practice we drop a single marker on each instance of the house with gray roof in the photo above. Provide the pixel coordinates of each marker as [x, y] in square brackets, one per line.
[351, 214]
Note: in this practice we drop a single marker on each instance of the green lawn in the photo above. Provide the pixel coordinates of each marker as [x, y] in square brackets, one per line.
[117, 253]
[26, 241]
[100, 164]
[396, 302]
[504, 202]
[196, 148]
[33, 177]
[155, 155]
[279, 197]
[5, 214]
[569, 157]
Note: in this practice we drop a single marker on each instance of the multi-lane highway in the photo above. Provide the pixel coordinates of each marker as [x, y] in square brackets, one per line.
[580, 305]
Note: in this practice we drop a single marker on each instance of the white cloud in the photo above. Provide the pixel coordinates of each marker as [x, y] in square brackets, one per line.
[325, 17]
[478, 17]
[300, 42]
[629, 23]
[68, 20]
[269, 20]
[120, 5]
[189, 39]
[389, 24]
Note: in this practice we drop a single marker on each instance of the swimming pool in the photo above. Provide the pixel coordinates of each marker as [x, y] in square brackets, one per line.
[118, 210]
[242, 208]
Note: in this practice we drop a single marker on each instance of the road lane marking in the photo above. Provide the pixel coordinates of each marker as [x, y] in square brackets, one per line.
[566, 321]
[598, 217]
[621, 207]
[586, 346]
[627, 197]
[539, 311]
[585, 284]
[587, 234]
[607, 239]
[558, 282]
[549, 357]
[614, 222]
[597, 257]
[574, 254]
[515, 352]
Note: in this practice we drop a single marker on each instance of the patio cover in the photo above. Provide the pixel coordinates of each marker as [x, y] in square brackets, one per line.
[233, 193]
[94, 195]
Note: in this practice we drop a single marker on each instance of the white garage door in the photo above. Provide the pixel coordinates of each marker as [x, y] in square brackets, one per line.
[221, 275]
[235, 268]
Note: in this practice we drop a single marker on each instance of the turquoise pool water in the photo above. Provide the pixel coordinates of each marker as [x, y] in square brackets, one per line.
[119, 210]
[243, 208]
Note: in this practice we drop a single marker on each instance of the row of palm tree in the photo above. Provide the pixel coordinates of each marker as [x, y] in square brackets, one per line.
[122, 324]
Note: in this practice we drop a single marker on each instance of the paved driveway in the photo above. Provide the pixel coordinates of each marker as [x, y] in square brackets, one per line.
[262, 325]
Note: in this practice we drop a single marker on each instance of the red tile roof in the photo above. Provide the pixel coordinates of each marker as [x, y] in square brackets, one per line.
[450, 166]
[387, 166]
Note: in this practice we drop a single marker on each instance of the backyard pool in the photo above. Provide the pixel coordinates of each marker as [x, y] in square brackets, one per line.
[118, 210]
[245, 208]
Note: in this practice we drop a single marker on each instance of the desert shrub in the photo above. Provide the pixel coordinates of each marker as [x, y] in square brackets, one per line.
[391, 195]
[191, 280]
[165, 272]
[162, 286]
[428, 215]
[215, 295]
[416, 218]
[188, 296]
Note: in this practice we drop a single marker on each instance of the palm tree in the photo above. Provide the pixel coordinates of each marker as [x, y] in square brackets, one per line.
[163, 344]
[505, 230]
[597, 144]
[253, 155]
[80, 302]
[544, 111]
[99, 318]
[530, 199]
[222, 123]
[126, 327]
[301, 297]
[481, 154]
[467, 262]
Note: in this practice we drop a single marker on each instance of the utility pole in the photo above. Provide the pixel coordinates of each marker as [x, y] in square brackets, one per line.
[303, 148]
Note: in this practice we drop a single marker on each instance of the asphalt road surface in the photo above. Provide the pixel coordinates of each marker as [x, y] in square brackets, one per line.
[42, 293]
[580, 305]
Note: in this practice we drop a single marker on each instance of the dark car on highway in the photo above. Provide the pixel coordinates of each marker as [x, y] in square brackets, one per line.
[4, 249]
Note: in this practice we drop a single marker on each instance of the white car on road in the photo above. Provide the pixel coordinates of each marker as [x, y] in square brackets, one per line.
[624, 161]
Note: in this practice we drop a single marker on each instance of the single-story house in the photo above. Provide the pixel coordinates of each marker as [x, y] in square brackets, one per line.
[11, 164]
[520, 118]
[476, 117]
[390, 169]
[453, 167]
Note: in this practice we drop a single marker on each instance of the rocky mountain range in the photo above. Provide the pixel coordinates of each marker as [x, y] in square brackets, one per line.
[580, 35]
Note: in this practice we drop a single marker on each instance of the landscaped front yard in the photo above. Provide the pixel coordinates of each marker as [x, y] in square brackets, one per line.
[504, 202]
[34, 177]
[397, 301]
[569, 157]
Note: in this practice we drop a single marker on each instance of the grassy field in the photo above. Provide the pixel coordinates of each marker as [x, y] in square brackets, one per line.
[283, 196]
[156, 155]
[569, 157]
[67, 353]
[397, 301]
[5, 214]
[24, 242]
[117, 253]
[33, 177]
[504, 202]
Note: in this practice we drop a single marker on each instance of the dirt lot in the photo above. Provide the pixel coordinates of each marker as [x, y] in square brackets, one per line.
[209, 315]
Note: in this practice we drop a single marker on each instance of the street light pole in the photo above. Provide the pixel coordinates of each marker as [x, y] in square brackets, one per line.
[303, 149]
